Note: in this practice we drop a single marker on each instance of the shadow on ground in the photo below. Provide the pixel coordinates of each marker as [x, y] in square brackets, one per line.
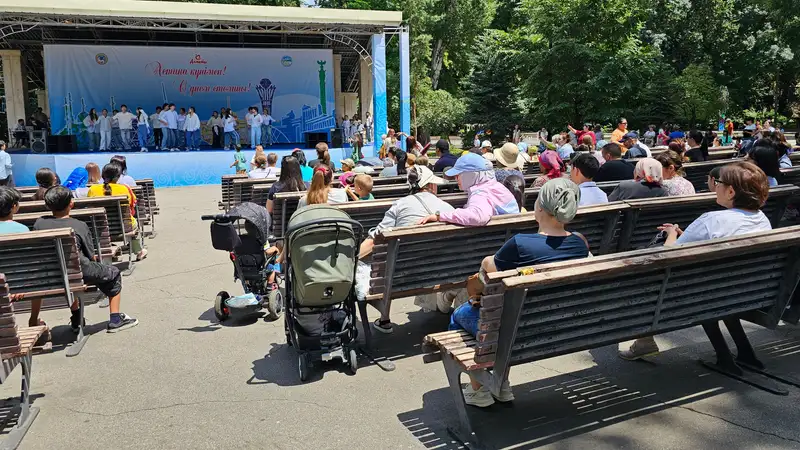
[572, 405]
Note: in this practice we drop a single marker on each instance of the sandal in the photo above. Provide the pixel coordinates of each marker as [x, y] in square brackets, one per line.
[384, 326]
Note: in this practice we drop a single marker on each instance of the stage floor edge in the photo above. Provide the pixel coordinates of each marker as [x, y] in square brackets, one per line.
[167, 169]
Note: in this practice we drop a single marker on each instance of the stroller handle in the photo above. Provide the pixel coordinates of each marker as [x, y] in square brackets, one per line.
[219, 218]
[357, 227]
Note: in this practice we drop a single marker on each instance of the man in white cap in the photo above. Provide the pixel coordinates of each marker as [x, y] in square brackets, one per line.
[406, 211]
[486, 150]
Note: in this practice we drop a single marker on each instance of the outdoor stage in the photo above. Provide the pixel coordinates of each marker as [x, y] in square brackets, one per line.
[167, 169]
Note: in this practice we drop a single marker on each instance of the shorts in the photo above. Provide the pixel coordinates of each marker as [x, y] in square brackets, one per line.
[466, 317]
[106, 277]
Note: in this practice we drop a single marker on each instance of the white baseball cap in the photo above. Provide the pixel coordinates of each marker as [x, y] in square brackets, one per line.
[486, 143]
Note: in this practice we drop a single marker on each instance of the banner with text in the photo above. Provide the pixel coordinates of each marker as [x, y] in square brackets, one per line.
[295, 86]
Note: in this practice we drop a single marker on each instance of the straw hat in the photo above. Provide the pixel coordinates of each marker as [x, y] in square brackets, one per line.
[508, 155]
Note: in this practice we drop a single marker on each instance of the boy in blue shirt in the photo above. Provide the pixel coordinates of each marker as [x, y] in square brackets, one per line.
[9, 205]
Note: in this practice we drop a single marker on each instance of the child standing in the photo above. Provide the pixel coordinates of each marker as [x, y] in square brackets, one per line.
[362, 189]
[239, 161]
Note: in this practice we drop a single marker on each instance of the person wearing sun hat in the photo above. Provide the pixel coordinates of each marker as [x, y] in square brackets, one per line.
[406, 211]
[509, 161]
[485, 196]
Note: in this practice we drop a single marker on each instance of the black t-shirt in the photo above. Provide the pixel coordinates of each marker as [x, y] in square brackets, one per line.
[628, 190]
[81, 230]
[695, 154]
[614, 170]
[444, 161]
[279, 186]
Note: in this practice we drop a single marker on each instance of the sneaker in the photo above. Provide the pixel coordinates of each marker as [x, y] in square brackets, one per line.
[384, 326]
[103, 303]
[443, 304]
[143, 149]
[141, 255]
[481, 398]
[506, 394]
[639, 349]
[124, 324]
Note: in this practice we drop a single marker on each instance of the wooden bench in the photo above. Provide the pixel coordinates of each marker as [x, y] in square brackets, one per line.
[95, 219]
[560, 308]
[45, 265]
[791, 176]
[227, 189]
[148, 204]
[118, 214]
[17, 345]
[641, 220]
[286, 202]
[27, 189]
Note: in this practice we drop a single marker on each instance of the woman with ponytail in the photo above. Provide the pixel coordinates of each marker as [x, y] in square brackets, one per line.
[110, 187]
[320, 192]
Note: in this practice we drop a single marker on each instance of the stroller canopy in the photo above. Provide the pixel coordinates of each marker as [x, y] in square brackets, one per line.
[255, 214]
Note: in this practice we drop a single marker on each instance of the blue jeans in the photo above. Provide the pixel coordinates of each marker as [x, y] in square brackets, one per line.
[191, 139]
[166, 140]
[255, 136]
[466, 317]
[266, 134]
[231, 136]
[142, 134]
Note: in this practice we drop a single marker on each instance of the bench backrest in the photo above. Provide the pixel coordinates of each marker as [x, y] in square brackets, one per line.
[640, 222]
[227, 188]
[286, 202]
[790, 176]
[576, 305]
[94, 218]
[41, 263]
[420, 259]
[148, 186]
[117, 212]
[243, 189]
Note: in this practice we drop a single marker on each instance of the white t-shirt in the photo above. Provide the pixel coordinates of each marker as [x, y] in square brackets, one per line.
[124, 119]
[720, 224]
[267, 172]
[335, 195]
[256, 121]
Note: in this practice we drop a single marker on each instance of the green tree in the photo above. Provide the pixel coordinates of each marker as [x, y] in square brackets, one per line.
[701, 98]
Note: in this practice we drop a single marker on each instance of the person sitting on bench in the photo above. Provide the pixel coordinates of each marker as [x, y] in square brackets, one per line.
[106, 277]
[555, 207]
[742, 189]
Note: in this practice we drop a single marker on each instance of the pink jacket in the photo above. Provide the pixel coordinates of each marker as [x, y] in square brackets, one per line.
[485, 200]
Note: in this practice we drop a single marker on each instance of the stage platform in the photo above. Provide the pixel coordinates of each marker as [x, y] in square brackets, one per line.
[167, 169]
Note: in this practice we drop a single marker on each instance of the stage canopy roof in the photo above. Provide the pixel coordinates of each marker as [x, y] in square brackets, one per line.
[129, 22]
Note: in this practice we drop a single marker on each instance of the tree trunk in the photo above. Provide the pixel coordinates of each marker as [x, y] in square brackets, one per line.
[437, 58]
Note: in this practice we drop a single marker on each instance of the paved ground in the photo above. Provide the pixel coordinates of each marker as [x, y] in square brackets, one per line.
[180, 380]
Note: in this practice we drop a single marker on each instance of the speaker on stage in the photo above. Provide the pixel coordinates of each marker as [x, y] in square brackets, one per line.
[38, 139]
[336, 138]
[312, 139]
[62, 144]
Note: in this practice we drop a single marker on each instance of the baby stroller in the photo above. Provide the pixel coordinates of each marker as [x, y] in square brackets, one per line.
[322, 243]
[251, 265]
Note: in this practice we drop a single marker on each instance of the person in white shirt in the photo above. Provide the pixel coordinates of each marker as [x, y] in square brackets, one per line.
[265, 167]
[369, 127]
[125, 120]
[248, 118]
[181, 140]
[266, 130]
[155, 124]
[192, 125]
[170, 120]
[90, 122]
[162, 117]
[215, 123]
[104, 127]
[142, 129]
[742, 189]
[345, 129]
[255, 128]
[230, 130]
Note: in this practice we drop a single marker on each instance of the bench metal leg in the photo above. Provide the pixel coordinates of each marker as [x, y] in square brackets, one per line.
[463, 431]
[381, 362]
[727, 365]
[27, 413]
[80, 341]
[131, 266]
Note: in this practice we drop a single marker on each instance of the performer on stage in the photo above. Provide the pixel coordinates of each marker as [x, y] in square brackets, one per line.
[155, 124]
[125, 120]
[104, 126]
[266, 132]
[255, 127]
[142, 129]
[192, 130]
[91, 128]
[215, 123]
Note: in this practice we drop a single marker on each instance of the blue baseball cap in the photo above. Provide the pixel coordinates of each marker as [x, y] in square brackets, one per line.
[468, 163]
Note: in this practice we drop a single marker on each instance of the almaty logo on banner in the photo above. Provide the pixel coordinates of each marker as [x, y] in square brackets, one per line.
[198, 60]
[101, 59]
[286, 61]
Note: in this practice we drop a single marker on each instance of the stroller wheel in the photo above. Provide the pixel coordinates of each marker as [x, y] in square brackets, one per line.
[274, 304]
[303, 366]
[221, 309]
[353, 361]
